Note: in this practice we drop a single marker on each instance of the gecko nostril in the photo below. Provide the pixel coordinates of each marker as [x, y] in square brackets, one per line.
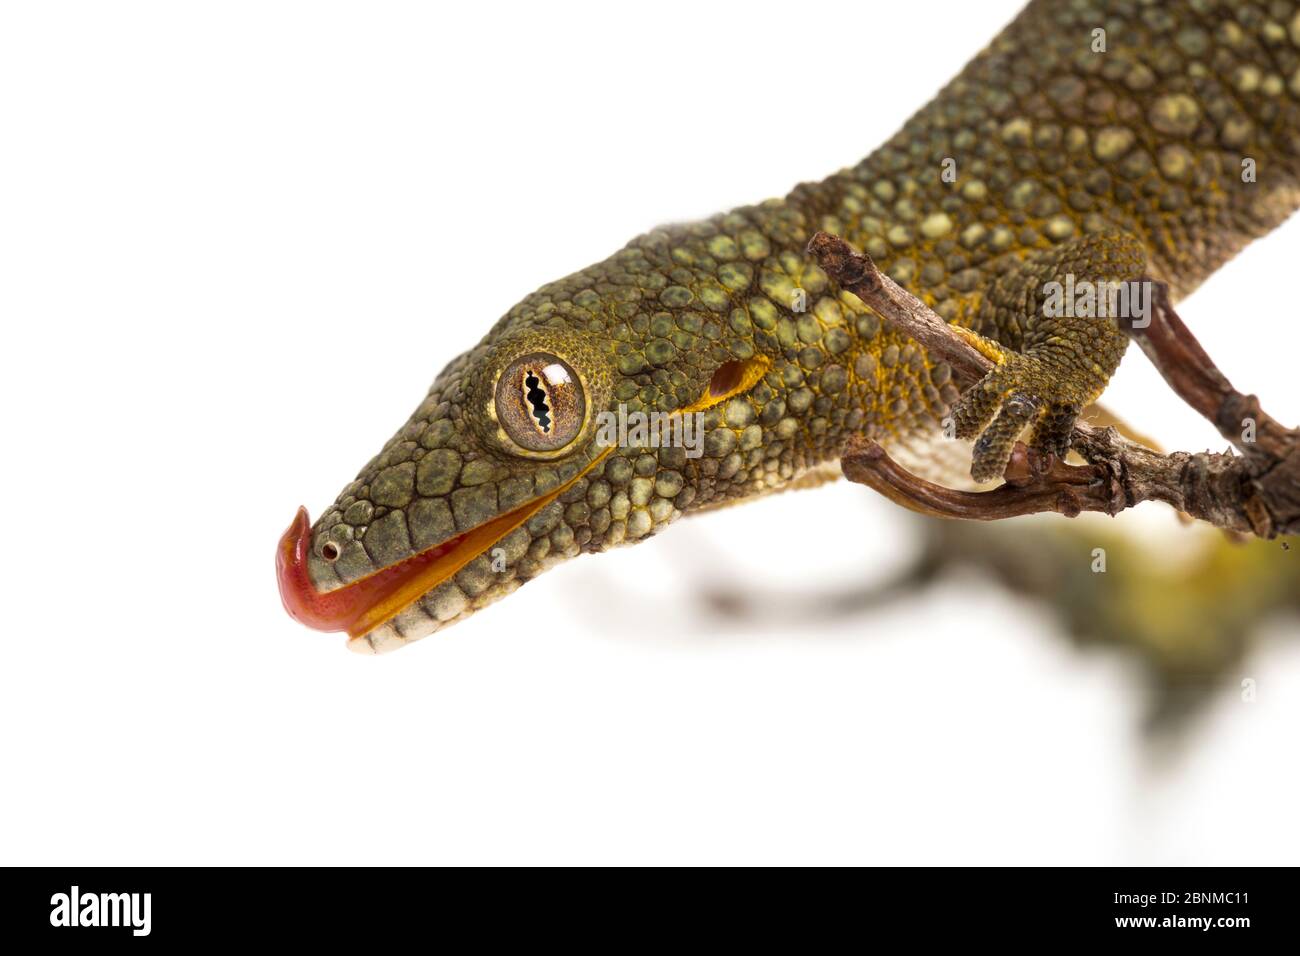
[330, 552]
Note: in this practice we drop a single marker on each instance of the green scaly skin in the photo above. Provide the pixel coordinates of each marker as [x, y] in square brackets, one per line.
[1105, 165]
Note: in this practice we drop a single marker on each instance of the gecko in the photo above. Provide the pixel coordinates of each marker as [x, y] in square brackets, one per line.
[1092, 141]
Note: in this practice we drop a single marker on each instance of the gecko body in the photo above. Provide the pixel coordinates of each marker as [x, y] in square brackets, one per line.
[1159, 152]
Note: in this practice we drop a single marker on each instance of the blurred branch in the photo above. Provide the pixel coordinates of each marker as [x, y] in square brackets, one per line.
[1256, 492]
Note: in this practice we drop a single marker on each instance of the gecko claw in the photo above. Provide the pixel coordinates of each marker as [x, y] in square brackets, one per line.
[1020, 393]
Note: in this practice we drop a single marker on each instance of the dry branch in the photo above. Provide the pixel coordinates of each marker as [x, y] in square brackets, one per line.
[1257, 492]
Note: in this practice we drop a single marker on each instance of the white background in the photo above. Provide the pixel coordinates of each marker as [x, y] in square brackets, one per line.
[236, 243]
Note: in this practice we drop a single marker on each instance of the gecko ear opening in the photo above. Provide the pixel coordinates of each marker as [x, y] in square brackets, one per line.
[731, 378]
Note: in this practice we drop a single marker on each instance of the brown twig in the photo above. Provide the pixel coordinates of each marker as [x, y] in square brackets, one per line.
[1256, 492]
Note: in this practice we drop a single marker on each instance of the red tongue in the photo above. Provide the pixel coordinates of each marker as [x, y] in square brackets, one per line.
[301, 600]
[343, 608]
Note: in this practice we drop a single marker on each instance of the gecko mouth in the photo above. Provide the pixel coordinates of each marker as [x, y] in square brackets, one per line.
[364, 604]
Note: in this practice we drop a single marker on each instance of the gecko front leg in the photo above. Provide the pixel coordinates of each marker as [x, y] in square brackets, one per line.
[1048, 324]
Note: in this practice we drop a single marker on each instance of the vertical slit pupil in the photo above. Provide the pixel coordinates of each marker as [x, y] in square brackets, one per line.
[536, 396]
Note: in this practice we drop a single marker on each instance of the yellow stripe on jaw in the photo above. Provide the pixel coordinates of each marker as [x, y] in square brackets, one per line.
[476, 541]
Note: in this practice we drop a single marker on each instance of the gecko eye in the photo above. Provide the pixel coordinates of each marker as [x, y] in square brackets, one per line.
[540, 403]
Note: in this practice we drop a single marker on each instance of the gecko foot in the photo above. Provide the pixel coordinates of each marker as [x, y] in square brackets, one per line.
[1021, 392]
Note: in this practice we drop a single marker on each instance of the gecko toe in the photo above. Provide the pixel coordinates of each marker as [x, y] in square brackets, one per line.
[1022, 393]
[993, 448]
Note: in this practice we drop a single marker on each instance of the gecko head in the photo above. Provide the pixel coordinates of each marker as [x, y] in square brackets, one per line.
[464, 503]
[513, 462]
